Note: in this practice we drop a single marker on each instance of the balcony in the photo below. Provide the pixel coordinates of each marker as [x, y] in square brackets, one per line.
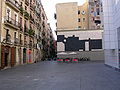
[97, 20]
[21, 42]
[26, 15]
[31, 33]
[31, 44]
[11, 22]
[7, 40]
[21, 28]
[43, 24]
[35, 46]
[26, 31]
[25, 43]
[27, 2]
[21, 10]
[16, 41]
[31, 6]
[14, 4]
[31, 19]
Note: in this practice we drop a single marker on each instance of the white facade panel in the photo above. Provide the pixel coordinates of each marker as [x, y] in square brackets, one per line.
[111, 9]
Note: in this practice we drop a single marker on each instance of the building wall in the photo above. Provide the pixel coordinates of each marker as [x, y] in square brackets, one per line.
[95, 14]
[111, 32]
[83, 13]
[74, 40]
[67, 15]
[0, 27]
[91, 11]
[80, 44]
[24, 46]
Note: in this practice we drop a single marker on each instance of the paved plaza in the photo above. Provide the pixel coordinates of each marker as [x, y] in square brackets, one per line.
[50, 75]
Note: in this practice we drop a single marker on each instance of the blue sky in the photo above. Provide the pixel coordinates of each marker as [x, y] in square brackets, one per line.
[49, 6]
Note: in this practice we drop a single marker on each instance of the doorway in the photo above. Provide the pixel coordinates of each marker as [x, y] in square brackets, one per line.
[6, 59]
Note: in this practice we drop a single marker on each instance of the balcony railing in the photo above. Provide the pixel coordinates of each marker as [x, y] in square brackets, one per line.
[21, 28]
[31, 32]
[11, 22]
[31, 6]
[8, 38]
[31, 18]
[30, 44]
[35, 46]
[26, 30]
[16, 41]
[13, 3]
[21, 42]
[25, 43]
[26, 14]
[27, 2]
[21, 10]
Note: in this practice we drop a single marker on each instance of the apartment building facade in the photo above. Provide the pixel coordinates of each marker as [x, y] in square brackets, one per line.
[87, 16]
[23, 22]
[75, 32]
[67, 20]
[96, 14]
[83, 16]
[111, 9]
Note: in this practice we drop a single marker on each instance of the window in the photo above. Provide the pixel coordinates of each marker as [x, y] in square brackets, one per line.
[83, 19]
[21, 3]
[15, 19]
[20, 37]
[79, 26]
[7, 32]
[83, 12]
[78, 11]
[78, 19]
[25, 8]
[7, 35]
[98, 11]
[20, 21]
[25, 23]
[8, 13]
[14, 35]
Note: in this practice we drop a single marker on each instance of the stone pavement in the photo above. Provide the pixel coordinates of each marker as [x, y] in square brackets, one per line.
[55, 76]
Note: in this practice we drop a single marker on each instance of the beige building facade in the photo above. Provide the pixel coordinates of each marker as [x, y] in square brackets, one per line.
[87, 16]
[67, 15]
[22, 23]
[95, 14]
[83, 16]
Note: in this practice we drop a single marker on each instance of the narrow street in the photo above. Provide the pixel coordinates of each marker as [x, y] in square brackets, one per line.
[50, 75]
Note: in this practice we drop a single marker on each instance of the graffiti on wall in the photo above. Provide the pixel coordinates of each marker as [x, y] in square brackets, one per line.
[74, 44]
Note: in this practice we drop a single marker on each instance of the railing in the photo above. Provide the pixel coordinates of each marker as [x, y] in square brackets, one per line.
[27, 2]
[26, 30]
[21, 10]
[16, 41]
[30, 44]
[8, 38]
[26, 15]
[11, 21]
[25, 43]
[21, 28]
[31, 6]
[31, 32]
[31, 18]
[21, 42]
[14, 3]
[35, 46]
